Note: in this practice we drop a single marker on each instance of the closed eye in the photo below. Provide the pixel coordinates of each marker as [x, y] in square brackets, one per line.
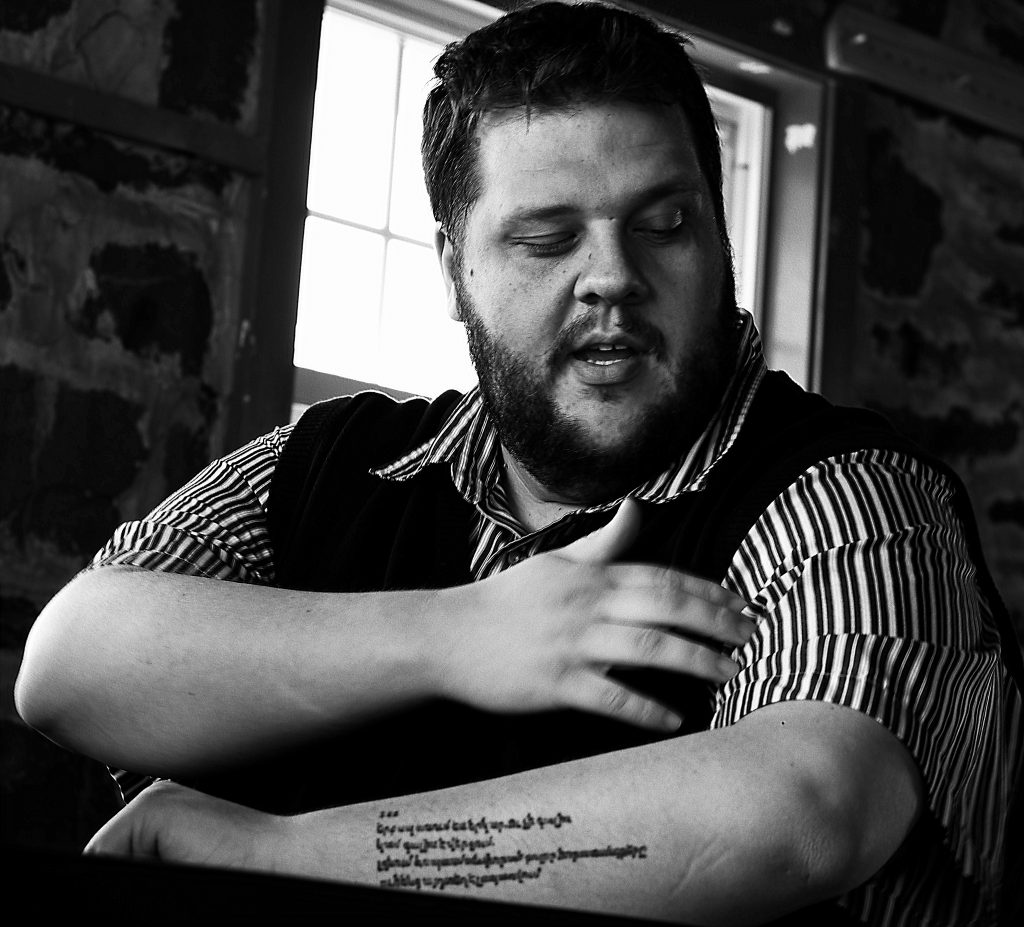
[548, 245]
[662, 227]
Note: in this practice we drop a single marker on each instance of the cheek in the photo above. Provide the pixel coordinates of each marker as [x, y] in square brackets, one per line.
[683, 285]
[690, 304]
[527, 301]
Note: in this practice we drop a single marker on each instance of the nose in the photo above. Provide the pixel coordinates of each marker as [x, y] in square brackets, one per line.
[610, 274]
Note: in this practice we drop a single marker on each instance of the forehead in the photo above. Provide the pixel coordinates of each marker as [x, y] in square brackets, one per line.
[601, 153]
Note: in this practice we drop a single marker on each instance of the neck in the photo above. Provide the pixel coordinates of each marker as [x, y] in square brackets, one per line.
[533, 505]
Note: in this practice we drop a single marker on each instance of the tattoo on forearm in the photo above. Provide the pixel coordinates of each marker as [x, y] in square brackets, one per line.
[478, 852]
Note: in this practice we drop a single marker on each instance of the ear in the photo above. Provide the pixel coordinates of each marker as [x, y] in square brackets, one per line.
[446, 257]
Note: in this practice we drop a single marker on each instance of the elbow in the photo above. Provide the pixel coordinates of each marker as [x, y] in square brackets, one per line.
[833, 798]
[38, 690]
[791, 846]
[26, 697]
[827, 857]
[47, 692]
[812, 842]
[37, 711]
[836, 843]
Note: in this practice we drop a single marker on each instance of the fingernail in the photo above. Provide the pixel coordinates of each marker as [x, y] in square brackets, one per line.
[743, 630]
[727, 667]
[671, 721]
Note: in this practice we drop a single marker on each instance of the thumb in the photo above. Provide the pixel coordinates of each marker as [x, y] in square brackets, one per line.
[607, 543]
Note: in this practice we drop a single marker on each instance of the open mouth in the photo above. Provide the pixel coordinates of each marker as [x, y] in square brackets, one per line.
[605, 354]
[609, 363]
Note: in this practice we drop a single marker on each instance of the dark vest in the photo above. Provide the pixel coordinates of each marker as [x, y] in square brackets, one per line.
[334, 527]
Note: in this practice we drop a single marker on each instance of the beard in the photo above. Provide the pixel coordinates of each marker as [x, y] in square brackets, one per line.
[518, 394]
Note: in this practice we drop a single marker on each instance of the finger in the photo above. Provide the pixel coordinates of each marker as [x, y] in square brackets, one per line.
[676, 582]
[653, 648]
[689, 616]
[692, 617]
[597, 694]
[610, 541]
[684, 603]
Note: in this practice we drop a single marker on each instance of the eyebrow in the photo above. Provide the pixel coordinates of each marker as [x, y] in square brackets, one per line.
[676, 186]
[538, 214]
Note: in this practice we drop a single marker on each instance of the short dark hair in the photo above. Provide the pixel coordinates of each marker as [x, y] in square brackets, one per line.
[554, 56]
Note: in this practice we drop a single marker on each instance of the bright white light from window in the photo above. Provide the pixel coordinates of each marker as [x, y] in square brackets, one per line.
[410, 207]
[371, 298]
[799, 137]
[341, 270]
[425, 351]
[352, 132]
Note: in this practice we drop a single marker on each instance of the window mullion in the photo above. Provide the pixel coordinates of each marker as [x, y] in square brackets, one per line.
[386, 233]
[391, 187]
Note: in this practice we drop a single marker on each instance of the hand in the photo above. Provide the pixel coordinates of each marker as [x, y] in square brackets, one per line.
[172, 823]
[543, 634]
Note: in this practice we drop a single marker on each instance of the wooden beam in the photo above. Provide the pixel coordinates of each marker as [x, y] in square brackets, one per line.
[262, 386]
[129, 119]
[984, 91]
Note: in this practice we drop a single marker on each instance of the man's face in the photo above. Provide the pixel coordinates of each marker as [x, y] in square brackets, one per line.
[590, 277]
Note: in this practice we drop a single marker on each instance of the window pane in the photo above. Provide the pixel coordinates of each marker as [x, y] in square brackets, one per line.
[353, 119]
[422, 349]
[410, 207]
[339, 296]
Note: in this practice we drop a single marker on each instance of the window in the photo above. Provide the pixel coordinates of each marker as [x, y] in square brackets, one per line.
[743, 129]
[371, 301]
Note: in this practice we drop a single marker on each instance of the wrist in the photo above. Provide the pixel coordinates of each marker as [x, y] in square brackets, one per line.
[438, 634]
[330, 844]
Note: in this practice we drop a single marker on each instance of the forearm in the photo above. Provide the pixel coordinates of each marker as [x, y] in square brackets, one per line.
[718, 828]
[795, 803]
[581, 835]
[175, 675]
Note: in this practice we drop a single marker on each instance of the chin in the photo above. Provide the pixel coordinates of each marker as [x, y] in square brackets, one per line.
[614, 433]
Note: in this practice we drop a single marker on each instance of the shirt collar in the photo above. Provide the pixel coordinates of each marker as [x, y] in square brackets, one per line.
[468, 441]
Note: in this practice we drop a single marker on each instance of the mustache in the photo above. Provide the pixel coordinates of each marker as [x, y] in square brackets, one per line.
[639, 328]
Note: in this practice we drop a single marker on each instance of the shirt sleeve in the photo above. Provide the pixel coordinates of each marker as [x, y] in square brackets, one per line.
[214, 526]
[867, 597]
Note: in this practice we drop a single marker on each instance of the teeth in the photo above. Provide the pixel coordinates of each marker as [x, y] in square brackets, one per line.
[604, 348]
[589, 352]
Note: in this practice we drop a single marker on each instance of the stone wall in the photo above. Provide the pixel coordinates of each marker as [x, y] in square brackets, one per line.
[939, 337]
[940, 344]
[121, 269]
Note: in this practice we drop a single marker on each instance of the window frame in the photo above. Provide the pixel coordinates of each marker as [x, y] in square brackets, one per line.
[790, 276]
[437, 23]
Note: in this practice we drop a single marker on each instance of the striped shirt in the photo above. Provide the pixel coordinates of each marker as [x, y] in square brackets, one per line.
[859, 579]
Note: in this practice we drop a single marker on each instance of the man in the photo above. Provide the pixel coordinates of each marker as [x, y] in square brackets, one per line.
[468, 645]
